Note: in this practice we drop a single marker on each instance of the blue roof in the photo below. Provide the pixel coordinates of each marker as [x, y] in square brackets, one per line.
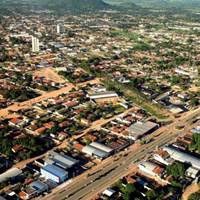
[57, 171]
[38, 185]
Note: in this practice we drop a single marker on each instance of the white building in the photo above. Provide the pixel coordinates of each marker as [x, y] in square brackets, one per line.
[54, 173]
[103, 95]
[163, 157]
[92, 151]
[182, 72]
[108, 192]
[97, 150]
[182, 156]
[60, 29]
[35, 44]
[192, 172]
[11, 173]
[101, 147]
[151, 168]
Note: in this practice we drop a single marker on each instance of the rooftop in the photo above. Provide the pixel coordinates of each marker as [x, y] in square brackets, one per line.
[57, 171]
[182, 156]
[140, 128]
[64, 160]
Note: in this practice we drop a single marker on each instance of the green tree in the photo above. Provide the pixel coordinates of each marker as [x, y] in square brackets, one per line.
[195, 142]
[194, 101]
[177, 169]
[151, 194]
[128, 191]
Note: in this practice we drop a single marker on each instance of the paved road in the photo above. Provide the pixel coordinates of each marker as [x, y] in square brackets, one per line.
[106, 174]
[110, 173]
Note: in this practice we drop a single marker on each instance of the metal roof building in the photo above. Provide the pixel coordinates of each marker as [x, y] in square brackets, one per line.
[11, 173]
[148, 165]
[109, 192]
[101, 147]
[138, 129]
[182, 156]
[151, 168]
[39, 186]
[92, 151]
[61, 160]
[100, 95]
[54, 173]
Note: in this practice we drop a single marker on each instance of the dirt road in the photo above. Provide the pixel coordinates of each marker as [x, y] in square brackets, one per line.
[4, 113]
[190, 190]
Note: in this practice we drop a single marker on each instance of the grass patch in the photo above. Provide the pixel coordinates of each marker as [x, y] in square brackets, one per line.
[126, 34]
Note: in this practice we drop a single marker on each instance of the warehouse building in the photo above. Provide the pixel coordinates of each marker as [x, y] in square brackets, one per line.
[182, 156]
[140, 129]
[97, 150]
[10, 174]
[103, 95]
[101, 147]
[54, 173]
[97, 153]
[61, 160]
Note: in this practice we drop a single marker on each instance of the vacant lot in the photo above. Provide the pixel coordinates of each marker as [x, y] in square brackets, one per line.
[49, 74]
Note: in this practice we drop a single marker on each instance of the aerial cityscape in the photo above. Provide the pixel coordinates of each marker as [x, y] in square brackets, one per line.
[100, 100]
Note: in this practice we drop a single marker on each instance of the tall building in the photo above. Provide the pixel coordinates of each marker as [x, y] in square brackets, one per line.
[58, 29]
[35, 44]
